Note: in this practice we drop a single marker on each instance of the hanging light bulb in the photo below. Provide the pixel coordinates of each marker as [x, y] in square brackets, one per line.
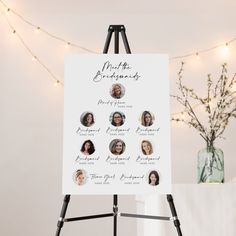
[67, 45]
[227, 47]
[8, 11]
[37, 29]
[182, 115]
[34, 58]
[56, 83]
[13, 32]
[197, 56]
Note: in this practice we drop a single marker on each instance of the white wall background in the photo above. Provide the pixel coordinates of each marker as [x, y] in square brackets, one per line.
[31, 108]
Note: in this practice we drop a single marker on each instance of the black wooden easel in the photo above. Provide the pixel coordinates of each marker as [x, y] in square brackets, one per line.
[117, 29]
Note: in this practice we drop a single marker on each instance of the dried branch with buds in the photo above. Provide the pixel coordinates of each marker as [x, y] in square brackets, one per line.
[221, 93]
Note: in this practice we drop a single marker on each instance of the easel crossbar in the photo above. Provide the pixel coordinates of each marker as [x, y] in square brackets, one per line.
[146, 216]
[88, 217]
[119, 214]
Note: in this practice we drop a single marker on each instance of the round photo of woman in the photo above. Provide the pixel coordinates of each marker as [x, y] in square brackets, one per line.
[117, 118]
[117, 91]
[117, 146]
[146, 147]
[147, 118]
[87, 148]
[87, 119]
[153, 178]
[79, 177]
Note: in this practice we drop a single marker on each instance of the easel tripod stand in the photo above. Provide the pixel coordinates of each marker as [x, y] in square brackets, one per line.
[117, 29]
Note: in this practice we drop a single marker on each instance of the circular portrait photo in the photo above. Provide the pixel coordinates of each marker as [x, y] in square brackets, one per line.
[87, 119]
[147, 118]
[117, 118]
[87, 148]
[146, 147]
[79, 177]
[117, 91]
[117, 146]
[153, 178]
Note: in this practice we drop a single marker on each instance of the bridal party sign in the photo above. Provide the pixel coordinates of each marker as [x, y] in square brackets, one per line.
[116, 124]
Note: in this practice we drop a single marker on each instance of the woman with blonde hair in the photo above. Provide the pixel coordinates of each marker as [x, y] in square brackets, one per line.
[146, 147]
[79, 177]
[117, 91]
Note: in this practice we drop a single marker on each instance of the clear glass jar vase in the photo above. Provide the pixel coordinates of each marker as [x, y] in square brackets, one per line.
[211, 165]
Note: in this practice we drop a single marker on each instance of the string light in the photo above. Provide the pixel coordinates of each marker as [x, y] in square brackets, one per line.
[37, 29]
[67, 45]
[197, 56]
[56, 83]
[33, 57]
[45, 31]
[91, 51]
[8, 11]
[225, 50]
[226, 46]
[182, 115]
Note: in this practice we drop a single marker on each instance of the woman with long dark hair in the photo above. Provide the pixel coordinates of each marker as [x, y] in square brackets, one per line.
[87, 148]
[153, 178]
[88, 119]
[146, 119]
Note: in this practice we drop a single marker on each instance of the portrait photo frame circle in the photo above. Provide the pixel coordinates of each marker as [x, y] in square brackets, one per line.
[87, 119]
[80, 177]
[87, 147]
[116, 121]
[147, 118]
[117, 147]
[117, 90]
[153, 181]
[147, 147]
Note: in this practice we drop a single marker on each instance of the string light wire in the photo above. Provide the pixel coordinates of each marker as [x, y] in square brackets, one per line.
[45, 31]
[34, 58]
[68, 42]
[204, 50]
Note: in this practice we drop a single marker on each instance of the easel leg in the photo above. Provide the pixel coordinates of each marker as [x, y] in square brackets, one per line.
[125, 40]
[115, 210]
[116, 45]
[174, 214]
[60, 222]
[108, 40]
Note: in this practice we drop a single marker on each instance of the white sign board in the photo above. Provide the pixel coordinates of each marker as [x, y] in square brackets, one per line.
[116, 124]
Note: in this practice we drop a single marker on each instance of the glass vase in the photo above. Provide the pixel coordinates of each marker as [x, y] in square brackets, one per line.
[211, 165]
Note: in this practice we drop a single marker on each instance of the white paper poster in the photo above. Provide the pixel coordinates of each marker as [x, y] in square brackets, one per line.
[116, 124]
